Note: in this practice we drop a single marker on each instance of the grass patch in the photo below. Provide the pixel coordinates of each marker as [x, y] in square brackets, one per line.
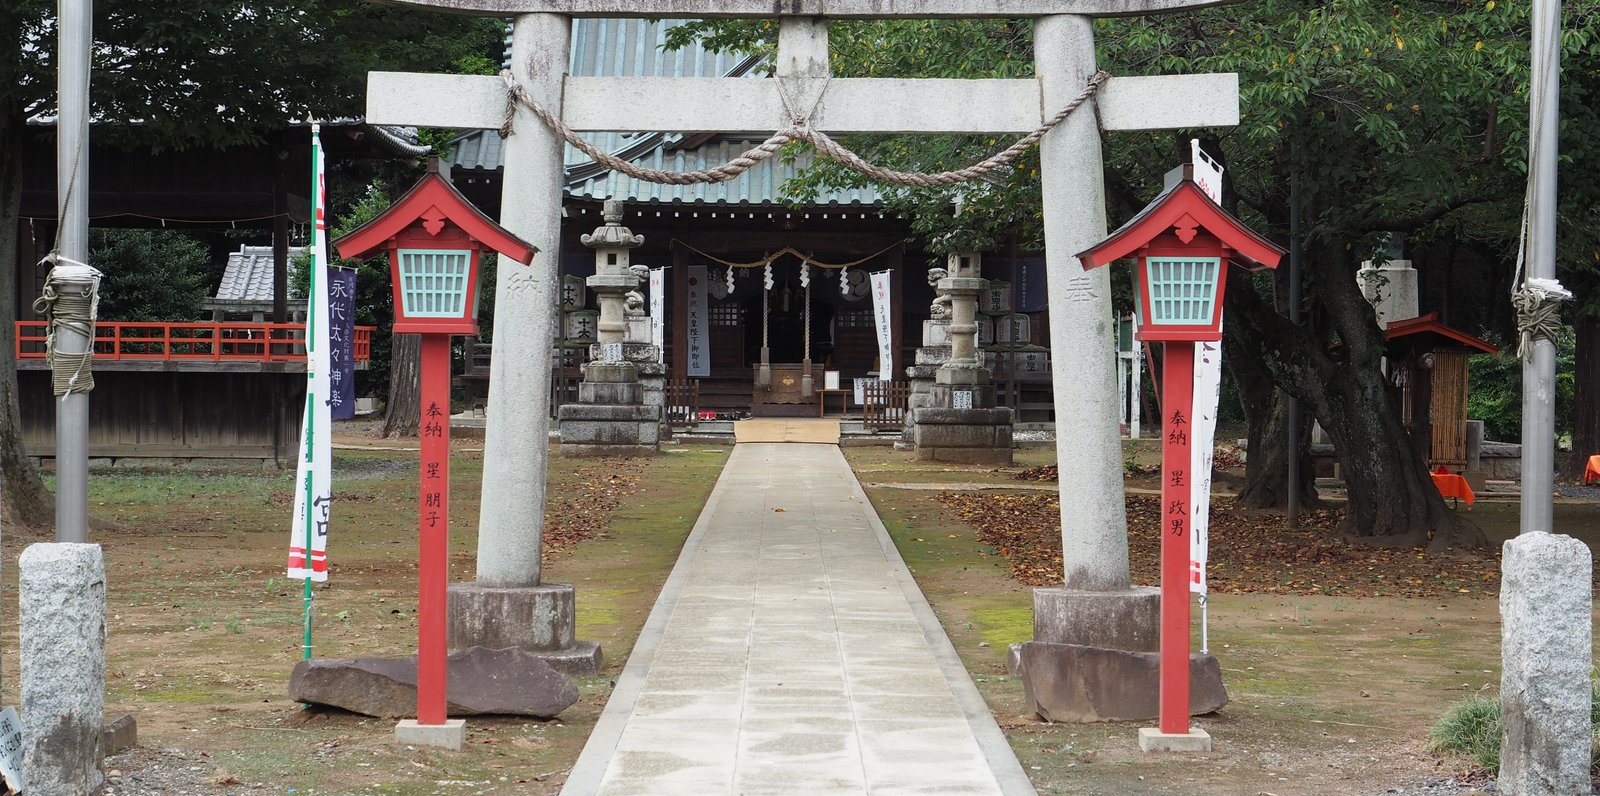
[1472, 728]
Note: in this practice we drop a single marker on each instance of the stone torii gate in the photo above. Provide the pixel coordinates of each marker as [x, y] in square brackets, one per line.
[1097, 606]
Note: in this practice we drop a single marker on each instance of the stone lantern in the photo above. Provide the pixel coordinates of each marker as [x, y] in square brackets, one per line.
[613, 416]
[958, 420]
[612, 279]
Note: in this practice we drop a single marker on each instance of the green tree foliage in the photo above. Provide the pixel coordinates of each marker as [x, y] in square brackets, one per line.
[150, 274]
[1400, 119]
[182, 75]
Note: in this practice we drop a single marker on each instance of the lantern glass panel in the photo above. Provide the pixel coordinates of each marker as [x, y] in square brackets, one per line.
[433, 282]
[1183, 290]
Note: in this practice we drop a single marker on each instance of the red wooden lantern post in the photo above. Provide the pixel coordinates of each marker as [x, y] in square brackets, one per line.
[1183, 243]
[434, 238]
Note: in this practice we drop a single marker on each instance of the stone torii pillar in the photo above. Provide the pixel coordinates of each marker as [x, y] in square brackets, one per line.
[1094, 528]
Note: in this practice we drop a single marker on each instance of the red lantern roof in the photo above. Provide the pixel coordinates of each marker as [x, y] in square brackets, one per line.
[430, 205]
[1183, 210]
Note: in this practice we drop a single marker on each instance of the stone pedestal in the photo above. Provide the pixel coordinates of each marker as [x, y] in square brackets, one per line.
[611, 417]
[62, 628]
[967, 436]
[934, 352]
[539, 619]
[1546, 655]
[1123, 620]
[1119, 631]
[1069, 682]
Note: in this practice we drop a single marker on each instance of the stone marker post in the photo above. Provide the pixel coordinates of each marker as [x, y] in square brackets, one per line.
[62, 623]
[1547, 643]
[612, 417]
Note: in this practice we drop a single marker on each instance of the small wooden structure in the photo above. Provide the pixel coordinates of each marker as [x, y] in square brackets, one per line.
[1428, 367]
[180, 391]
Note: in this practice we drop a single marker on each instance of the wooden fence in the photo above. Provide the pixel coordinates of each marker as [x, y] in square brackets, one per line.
[683, 402]
[883, 406]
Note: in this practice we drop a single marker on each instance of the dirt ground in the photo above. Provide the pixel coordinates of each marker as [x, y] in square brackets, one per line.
[1330, 694]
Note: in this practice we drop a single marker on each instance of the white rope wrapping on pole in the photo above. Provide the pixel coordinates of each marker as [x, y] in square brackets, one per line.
[71, 299]
[764, 373]
[807, 384]
[798, 129]
[1538, 306]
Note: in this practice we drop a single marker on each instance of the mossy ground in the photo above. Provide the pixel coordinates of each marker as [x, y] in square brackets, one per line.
[204, 628]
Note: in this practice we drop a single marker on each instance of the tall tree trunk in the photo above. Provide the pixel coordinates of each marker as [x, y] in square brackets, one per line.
[1586, 396]
[403, 411]
[29, 501]
[1266, 410]
[1392, 501]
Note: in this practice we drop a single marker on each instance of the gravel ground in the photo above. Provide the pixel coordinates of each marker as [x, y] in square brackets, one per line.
[171, 772]
[1440, 787]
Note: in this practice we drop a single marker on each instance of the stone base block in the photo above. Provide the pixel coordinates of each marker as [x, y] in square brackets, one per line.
[610, 393]
[508, 682]
[582, 659]
[994, 456]
[1118, 620]
[539, 619]
[609, 430]
[972, 436]
[118, 734]
[1067, 682]
[452, 734]
[1152, 739]
[610, 373]
[534, 618]
[1546, 655]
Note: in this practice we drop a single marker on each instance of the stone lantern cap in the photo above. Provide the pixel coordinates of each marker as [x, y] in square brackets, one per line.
[611, 234]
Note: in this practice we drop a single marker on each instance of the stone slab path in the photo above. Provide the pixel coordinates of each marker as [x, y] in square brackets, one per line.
[791, 653]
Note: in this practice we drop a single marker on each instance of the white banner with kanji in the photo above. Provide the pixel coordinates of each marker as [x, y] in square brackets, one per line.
[697, 323]
[883, 318]
[1202, 447]
[658, 309]
[313, 481]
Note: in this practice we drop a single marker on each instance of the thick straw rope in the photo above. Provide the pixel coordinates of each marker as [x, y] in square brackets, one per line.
[799, 129]
[74, 310]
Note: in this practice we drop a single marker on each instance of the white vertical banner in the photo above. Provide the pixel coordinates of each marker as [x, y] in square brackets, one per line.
[695, 319]
[1202, 447]
[658, 312]
[884, 320]
[1207, 172]
[308, 542]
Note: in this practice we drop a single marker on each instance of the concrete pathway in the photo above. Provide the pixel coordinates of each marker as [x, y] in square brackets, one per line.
[791, 653]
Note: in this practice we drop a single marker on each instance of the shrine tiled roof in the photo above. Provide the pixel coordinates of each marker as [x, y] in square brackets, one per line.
[635, 48]
[248, 276]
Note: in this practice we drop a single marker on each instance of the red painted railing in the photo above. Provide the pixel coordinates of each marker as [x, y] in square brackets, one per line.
[217, 342]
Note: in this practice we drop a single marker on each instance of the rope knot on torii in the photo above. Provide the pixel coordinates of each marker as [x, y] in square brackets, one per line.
[798, 129]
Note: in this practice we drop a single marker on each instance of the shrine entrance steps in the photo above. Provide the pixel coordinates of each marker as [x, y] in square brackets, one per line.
[824, 432]
[790, 652]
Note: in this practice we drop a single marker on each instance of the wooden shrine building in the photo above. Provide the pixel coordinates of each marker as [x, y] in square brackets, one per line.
[710, 231]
